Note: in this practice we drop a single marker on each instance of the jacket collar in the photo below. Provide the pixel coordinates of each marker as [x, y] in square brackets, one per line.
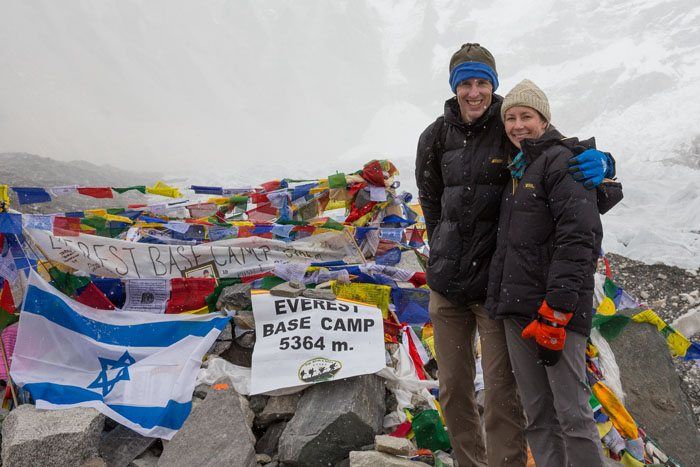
[453, 116]
[533, 148]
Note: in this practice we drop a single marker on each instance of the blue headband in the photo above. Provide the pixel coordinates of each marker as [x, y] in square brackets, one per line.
[468, 70]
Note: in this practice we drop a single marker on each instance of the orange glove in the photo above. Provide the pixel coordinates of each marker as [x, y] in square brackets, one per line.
[549, 333]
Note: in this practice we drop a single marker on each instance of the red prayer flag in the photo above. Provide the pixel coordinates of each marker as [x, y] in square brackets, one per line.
[7, 301]
[93, 297]
[189, 293]
[372, 172]
[9, 337]
[96, 192]
[418, 279]
[66, 226]
[271, 185]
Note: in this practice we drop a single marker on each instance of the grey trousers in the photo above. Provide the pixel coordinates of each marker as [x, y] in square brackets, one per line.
[560, 427]
[455, 327]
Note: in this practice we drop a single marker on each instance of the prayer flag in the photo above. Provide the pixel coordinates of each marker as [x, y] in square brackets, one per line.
[10, 223]
[29, 195]
[96, 192]
[163, 189]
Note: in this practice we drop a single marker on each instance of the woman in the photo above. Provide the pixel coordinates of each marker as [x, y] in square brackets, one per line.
[541, 282]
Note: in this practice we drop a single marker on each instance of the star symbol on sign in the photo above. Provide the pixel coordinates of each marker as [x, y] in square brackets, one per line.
[103, 381]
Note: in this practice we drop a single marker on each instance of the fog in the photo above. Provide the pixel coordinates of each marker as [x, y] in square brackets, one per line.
[242, 91]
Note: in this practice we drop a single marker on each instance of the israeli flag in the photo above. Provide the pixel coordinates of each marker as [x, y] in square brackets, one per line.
[137, 368]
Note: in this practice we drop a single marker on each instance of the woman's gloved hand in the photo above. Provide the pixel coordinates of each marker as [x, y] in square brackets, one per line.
[591, 167]
[549, 333]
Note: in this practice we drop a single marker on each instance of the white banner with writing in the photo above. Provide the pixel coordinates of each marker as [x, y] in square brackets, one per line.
[302, 340]
[234, 257]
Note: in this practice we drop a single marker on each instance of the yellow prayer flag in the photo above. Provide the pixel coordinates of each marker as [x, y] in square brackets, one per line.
[629, 461]
[613, 408]
[606, 307]
[95, 212]
[372, 294]
[675, 340]
[114, 218]
[163, 189]
[4, 195]
[218, 200]
[335, 204]
[604, 428]
[199, 311]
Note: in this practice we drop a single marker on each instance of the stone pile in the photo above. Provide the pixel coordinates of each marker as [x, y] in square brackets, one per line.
[337, 423]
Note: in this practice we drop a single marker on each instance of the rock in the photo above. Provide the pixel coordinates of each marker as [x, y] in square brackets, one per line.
[380, 459]
[286, 289]
[214, 434]
[443, 459]
[278, 408]
[267, 444]
[50, 437]
[258, 402]
[248, 413]
[223, 342]
[333, 419]
[238, 355]
[393, 445]
[122, 445]
[94, 462]
[235, 297]
[321, 294]
[200, 391]
[263, 459]
[148, 459]
[653, 392]
[244, 319]
[644, 295]
[246, 340]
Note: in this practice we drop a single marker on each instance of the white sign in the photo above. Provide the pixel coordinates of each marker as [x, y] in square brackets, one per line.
[303, 341]
[234, 257]
[147, 295]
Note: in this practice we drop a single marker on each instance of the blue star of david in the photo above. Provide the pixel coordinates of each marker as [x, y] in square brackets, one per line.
[103, 381]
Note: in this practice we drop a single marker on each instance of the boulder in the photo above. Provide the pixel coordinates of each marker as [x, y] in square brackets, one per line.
[238, 354]
[278, 408]
[333, 419]
[235, 297]
[286, 289]
[244, 319]
[122, 445]
[267, 444]
[322, 294]
[223, 342]
[393, 445]
[50, 437]
[215, 433]
[653, 391]
[380, 459]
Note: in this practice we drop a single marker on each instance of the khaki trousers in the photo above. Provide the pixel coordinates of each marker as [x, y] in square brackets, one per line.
[454, 327]
[560, 426]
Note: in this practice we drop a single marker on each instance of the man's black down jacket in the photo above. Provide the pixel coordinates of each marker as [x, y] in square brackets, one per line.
[460, 187]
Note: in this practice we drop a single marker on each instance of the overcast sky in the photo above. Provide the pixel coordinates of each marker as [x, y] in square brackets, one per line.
[219, 87]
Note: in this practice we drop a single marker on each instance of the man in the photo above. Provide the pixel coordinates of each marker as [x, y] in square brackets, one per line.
[461, 171]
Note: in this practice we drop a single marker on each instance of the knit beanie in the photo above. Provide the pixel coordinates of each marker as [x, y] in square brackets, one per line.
[527, 94]
[472, 61]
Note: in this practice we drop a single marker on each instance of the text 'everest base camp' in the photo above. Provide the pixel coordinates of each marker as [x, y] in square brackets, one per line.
[463, 314]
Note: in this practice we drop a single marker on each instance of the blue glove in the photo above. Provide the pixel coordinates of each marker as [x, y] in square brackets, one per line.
[591, 167]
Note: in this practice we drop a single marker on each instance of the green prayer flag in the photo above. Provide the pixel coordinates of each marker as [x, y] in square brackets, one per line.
[139, 188]
[97, 223]
[238, 199]
[269, 282]
[66, 282]
[331, 224]
[429, 431]
[610, 326]
[610, 288]
[115, 211]
[337, 180]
